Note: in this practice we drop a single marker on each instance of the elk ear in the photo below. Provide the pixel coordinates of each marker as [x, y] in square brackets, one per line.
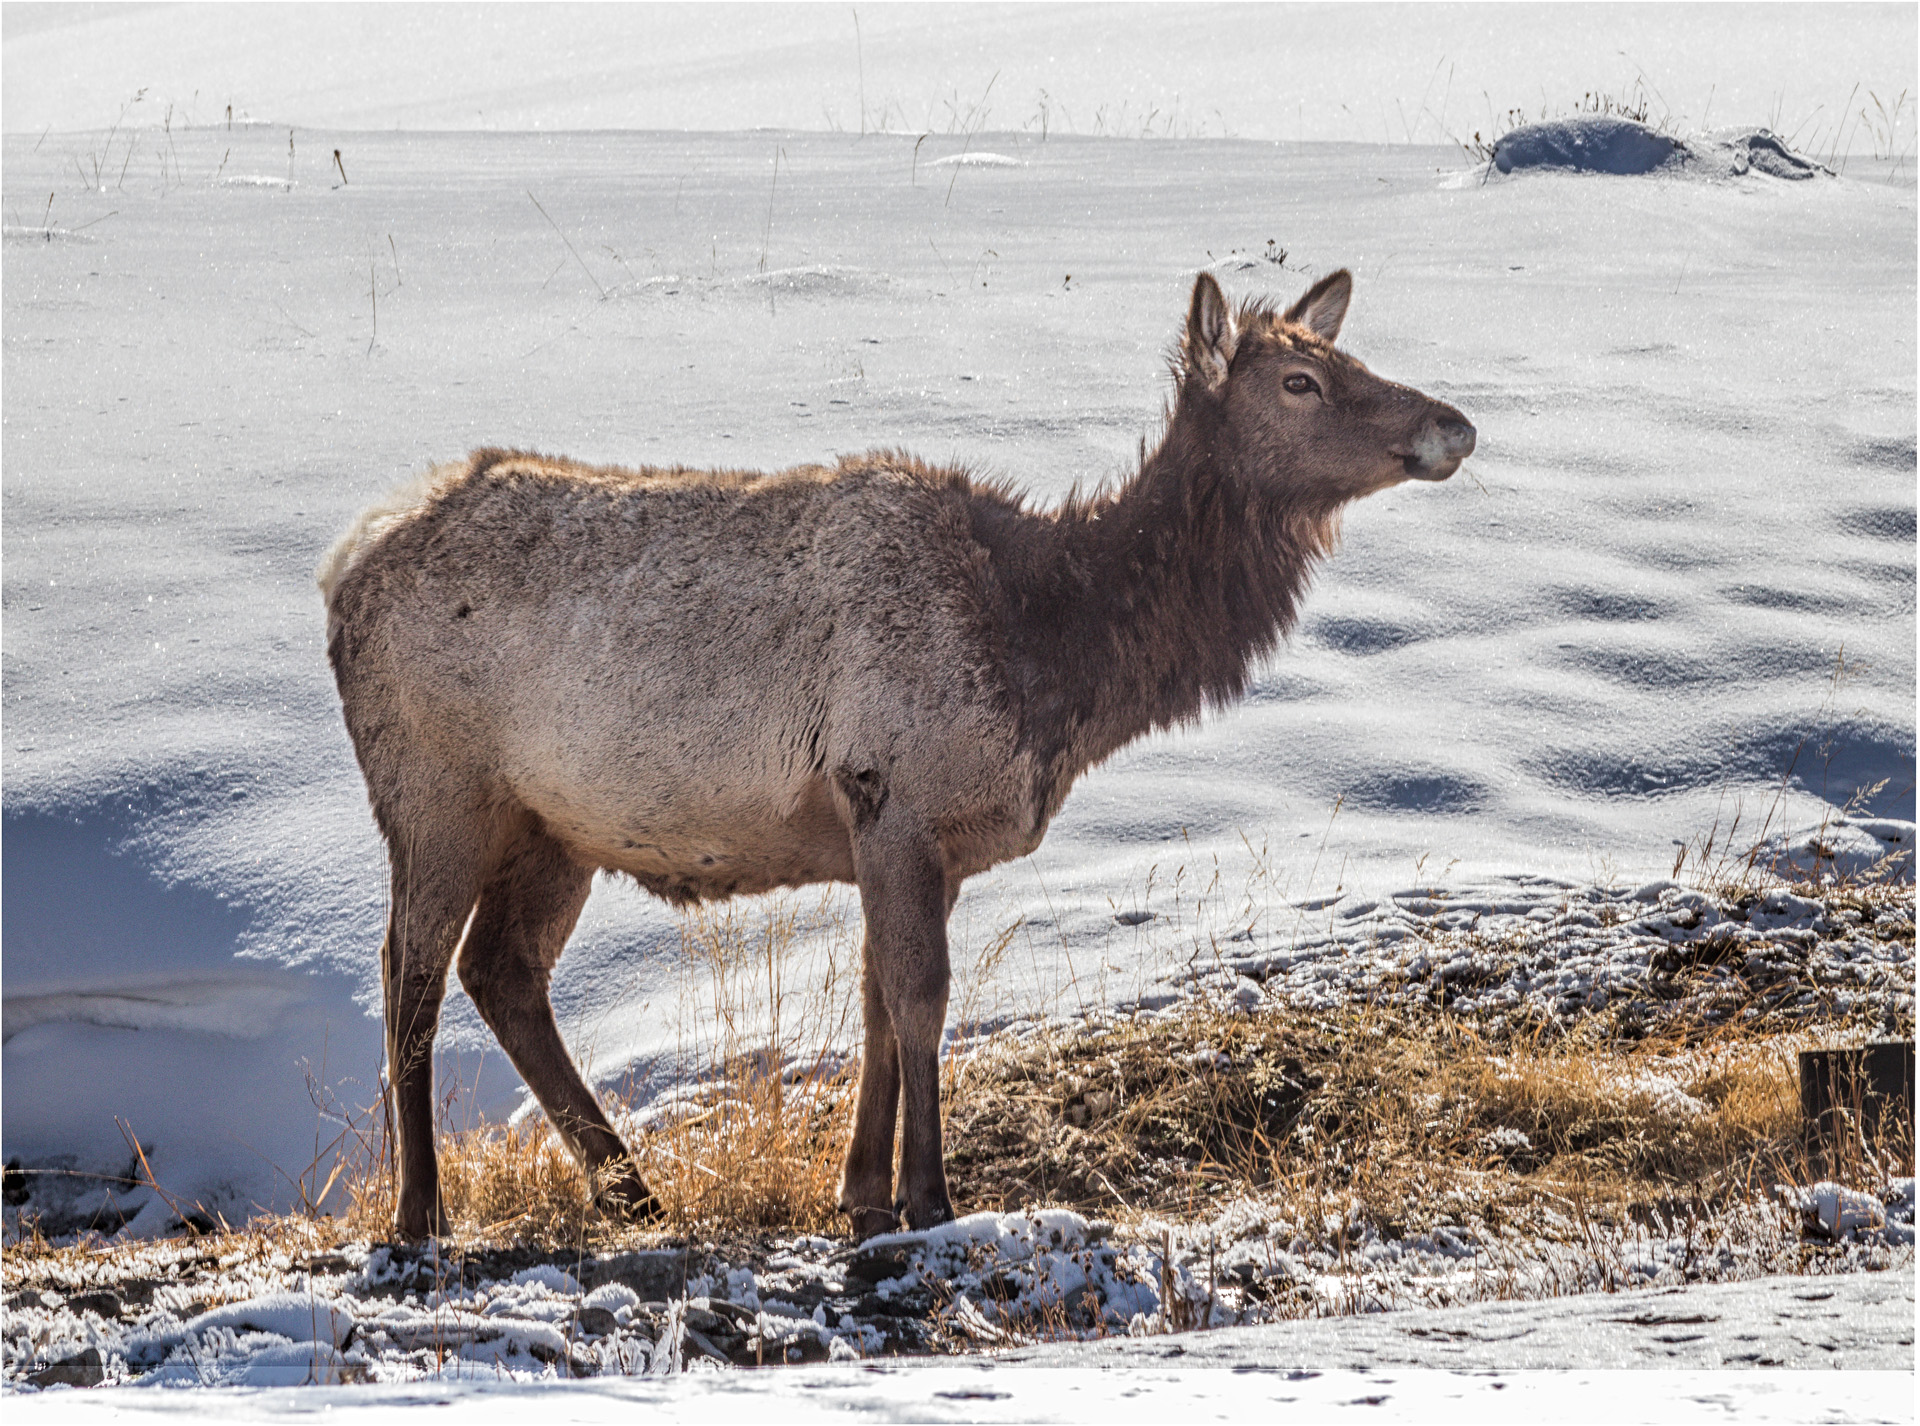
[1210, 336]
[1208, 346]
[1324, 307]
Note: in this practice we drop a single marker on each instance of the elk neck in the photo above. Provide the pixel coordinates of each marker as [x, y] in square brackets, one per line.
[1159, 595]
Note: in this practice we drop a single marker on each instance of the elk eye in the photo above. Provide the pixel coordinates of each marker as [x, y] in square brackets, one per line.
[1300, 384]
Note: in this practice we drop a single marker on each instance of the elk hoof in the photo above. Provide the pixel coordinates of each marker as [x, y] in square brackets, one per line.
[628, 1200]
[412, 1223]
[871, 1222]
[929, 1215]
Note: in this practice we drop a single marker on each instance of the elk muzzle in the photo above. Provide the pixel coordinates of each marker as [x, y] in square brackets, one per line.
[1444, 441]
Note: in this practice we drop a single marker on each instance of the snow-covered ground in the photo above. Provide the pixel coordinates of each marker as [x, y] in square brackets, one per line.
[1304, 73]
[1049, 1287]
[1692, 504]
[1619, 1397]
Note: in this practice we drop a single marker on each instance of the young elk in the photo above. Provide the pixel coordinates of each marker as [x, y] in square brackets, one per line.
[879, 672]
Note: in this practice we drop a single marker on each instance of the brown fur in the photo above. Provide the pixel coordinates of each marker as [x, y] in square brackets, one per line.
[720, 682]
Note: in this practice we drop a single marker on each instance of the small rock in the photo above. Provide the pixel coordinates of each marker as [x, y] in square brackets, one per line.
[104, 1304]
[741, 1316]
[654, 1274]
[87, 1369]
[872, 1267]
[699, 1340]
[595, 1321]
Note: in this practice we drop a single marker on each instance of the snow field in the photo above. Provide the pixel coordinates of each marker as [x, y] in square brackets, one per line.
[1026, 1394]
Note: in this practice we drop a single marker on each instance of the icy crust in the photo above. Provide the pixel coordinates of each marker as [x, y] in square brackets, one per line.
[380, 1315]
[1534, 949]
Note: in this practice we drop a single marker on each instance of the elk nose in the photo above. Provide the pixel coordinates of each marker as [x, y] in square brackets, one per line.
[1455, 438]
[1444, 441]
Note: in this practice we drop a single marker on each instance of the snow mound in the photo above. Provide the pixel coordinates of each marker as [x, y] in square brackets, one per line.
[1845, 847]
[297, 1316]
[294, 1364]
[1594, 144]
[977, 160]
[1005, 1268]
[547, 1276]
[817, 280]
[20, 233]
[1831, 1210]
[1735, 152]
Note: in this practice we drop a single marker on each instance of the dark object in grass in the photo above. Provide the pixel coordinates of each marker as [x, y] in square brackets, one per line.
[1851, 1099]
[1595, 144]
[86, 1369]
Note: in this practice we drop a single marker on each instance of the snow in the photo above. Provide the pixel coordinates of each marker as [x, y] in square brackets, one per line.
[1653, 1356]
[290, 1315]
[1673, 587]
[1049, 1285]
[1831, 1210]
[1347, 73]
[972, 1393]
[975, 160]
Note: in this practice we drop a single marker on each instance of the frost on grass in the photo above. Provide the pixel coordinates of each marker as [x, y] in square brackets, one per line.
[1536, 951]
[374, 1314]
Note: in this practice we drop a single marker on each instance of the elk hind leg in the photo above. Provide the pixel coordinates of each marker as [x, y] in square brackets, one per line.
[526, 912]
[431, 896]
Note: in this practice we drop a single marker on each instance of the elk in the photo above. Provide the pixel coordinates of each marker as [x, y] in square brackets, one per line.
[878, 672]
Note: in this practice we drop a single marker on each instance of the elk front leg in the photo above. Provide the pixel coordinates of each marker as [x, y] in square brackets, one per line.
[903, 893]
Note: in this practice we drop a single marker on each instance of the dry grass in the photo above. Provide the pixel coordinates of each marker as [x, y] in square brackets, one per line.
[1403, 1117]
[757, 1158]
[1395, 1112]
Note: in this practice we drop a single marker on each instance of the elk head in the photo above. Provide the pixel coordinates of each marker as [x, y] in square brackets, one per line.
[1297, 415]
